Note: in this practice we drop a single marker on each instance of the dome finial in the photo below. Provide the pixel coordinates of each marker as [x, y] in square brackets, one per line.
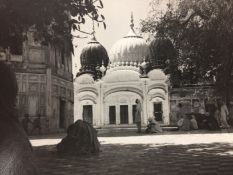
[132, 21]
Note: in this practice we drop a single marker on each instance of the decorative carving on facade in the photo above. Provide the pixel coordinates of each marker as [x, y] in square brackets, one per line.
[36, 71]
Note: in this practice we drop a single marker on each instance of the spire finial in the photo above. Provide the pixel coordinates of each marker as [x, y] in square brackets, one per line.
[93, 31]
[93, 28]
[169, 5]
[132, 21]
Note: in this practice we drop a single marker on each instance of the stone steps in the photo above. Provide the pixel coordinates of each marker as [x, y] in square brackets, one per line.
[130, 128]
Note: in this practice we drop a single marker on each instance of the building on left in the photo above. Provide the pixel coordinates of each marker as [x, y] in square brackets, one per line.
[45, 83]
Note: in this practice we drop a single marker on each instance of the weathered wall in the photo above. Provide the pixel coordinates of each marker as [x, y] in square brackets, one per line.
[32, 96]
[44, 80]
[193, 99]
[62, 90]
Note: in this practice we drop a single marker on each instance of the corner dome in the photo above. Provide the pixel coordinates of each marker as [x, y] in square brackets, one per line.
[157, 74]
[93, 54]
[131, 48]
[84, 79]
[161, 49]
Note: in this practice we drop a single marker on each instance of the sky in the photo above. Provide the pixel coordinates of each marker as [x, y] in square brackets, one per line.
[117, 15]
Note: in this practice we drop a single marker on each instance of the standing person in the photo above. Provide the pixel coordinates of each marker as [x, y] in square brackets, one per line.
[180, 111]
[179, 114]
[37, 124]
[217, 116]
[217, 113]
[138, 115]
[224, 114]
[25, 122]
[193, 122]
[16, 154]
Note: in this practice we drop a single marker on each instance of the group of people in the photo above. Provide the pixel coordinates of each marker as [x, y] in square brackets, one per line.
[152, 127]
[185, 121]
[216, 118]
[36, 124]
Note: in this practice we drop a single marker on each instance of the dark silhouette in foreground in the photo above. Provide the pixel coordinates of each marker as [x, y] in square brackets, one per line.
[16, 154]
[81, 139]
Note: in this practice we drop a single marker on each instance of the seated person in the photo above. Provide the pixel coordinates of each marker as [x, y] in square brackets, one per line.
[201, 120]
[212, 123]
[180, 122]
[184, 123]
[153, 126]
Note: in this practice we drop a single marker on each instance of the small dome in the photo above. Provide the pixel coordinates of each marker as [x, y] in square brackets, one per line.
[121, 76]
[93, 54]
[160, 50]
[131, 48]
[157, 74]
[84, 79]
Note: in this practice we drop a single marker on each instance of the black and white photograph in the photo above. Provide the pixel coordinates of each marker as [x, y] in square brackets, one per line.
[116, 87]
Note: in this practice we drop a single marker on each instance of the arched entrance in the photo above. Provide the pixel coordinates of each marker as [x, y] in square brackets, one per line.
[119, 107]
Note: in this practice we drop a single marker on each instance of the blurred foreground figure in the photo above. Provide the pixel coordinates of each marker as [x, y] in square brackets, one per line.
[16, 156]
[81, 139]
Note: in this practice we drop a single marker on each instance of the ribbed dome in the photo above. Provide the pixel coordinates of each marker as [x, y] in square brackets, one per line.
[157, 74]
[131, 48]
[122, 76]
[94, 54]
[160, 50]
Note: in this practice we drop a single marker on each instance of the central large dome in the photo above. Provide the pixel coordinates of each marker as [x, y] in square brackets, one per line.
[130, 49]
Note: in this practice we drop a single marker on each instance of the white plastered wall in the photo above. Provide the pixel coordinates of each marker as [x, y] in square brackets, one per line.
[85, 98]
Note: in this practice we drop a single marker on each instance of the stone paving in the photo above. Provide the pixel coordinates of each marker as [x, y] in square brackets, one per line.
[170, 154]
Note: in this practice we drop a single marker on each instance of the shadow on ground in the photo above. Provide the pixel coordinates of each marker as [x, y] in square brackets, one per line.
[123, 133]
[135, 159]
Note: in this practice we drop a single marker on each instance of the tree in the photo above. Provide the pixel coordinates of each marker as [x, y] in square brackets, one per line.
[201, 31]
[53, 20]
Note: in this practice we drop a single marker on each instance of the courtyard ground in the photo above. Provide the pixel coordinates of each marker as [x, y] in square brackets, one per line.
[138, 154]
